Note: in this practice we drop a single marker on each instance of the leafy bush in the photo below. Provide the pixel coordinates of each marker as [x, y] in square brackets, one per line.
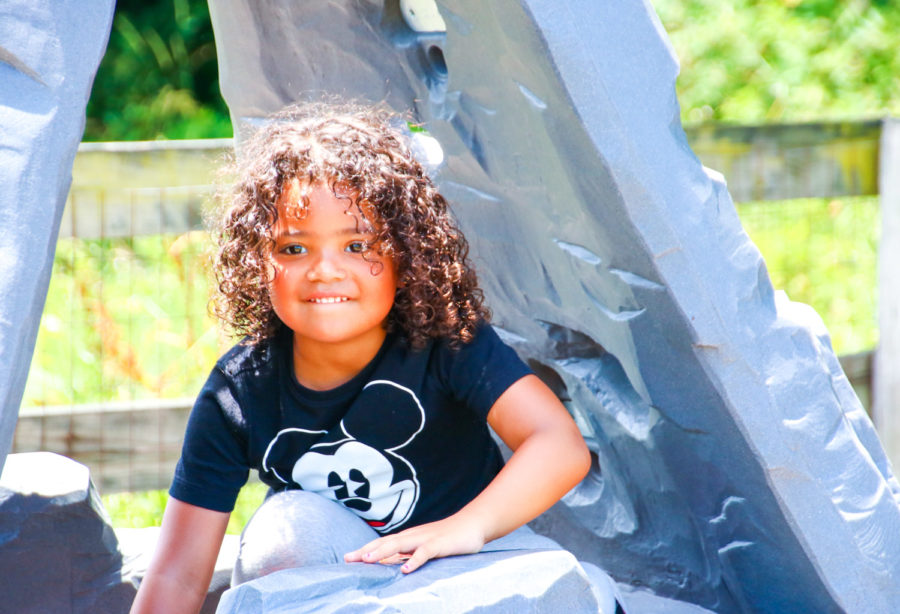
[744, 61]
[754, 61]
[159, 77]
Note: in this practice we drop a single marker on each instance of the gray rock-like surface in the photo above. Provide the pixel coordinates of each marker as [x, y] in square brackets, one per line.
[638, 601]
[309, 534]
[497, 582]
[736, 469]
[49, 52]
[57, 551]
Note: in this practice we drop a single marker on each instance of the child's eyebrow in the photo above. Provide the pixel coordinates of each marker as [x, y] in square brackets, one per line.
[349, 231]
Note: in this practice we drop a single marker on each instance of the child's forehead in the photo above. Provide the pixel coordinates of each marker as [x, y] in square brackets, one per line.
[300, 194]
[296, 188]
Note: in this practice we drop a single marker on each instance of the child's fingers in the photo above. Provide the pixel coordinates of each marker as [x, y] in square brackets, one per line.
[421, 556]
[384, 551]
[396, 551]
[395, 559]
[376, 551]
[425, 542]
[357, 555]
[388, 550]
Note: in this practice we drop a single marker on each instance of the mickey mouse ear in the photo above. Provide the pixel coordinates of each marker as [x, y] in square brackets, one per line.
[399, 418]
[284, 450]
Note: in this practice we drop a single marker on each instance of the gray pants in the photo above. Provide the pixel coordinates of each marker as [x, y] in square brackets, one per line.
[296, 528]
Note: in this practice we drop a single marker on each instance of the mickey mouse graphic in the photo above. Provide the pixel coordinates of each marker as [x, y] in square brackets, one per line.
[357, 463]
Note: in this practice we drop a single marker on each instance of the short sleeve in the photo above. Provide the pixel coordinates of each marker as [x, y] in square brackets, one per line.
[213, 465]
[478, 372]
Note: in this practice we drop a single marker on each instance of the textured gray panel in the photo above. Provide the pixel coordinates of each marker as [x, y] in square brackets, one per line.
[57, 551]
[520, 572]
[498, 582]
[49, 52]
[736, 469]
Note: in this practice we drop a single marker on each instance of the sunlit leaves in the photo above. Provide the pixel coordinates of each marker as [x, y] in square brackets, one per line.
[754, 61]
[159, 77]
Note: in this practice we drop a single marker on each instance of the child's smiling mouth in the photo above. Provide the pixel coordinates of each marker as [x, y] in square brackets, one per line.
[328, 300]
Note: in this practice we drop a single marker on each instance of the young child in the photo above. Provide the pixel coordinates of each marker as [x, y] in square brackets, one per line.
[368, 373]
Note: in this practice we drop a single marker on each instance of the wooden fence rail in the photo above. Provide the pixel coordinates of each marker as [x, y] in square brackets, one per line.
[781, 162]
[132, 189]
[146, 188]
[128, 446]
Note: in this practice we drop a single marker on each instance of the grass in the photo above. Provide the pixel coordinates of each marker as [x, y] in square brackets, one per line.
[124, 319]
[824, 252]
[137, 510]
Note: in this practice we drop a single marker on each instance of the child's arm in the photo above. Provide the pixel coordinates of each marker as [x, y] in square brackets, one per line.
[184, 560]
[550, 458]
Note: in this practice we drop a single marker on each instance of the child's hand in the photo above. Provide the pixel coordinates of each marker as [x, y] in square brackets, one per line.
[453, 535]
[535, 425]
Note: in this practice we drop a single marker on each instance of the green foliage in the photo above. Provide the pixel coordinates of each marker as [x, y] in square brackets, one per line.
[754, 61]
[744, 61]
[124, 319]
[159, 77]
[824, 252]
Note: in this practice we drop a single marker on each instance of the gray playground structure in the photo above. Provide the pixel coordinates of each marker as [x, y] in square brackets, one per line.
[736, 470]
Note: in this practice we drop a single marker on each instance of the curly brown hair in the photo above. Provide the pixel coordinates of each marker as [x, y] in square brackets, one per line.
[362, 148]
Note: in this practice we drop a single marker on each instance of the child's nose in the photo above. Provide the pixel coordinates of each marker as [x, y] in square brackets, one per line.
[325, 269]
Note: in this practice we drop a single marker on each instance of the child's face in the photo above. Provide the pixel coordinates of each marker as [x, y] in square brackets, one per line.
[326, 286]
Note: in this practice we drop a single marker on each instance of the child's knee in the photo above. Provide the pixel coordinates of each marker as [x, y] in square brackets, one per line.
[296, 528]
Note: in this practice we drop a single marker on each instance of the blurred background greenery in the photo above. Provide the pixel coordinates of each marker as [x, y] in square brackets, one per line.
[742, 61]
[159, 78]
[755, 61]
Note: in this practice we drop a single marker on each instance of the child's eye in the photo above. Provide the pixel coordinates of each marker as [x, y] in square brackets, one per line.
[357, 247]
[293, 250]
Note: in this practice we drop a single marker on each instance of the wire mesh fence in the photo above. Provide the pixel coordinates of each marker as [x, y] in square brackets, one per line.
[824, 252]
[125, 340]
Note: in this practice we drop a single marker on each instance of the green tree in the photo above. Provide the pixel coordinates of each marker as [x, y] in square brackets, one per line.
[159, 77]
[743, 61]
[755, 61]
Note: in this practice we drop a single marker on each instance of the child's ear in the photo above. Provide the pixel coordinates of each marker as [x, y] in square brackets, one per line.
[269, 270]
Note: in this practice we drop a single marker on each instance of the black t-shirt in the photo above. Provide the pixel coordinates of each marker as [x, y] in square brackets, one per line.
[403, 443]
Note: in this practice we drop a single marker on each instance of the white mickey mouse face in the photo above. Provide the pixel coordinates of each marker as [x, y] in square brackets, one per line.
[359, 477]
[359, 464]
